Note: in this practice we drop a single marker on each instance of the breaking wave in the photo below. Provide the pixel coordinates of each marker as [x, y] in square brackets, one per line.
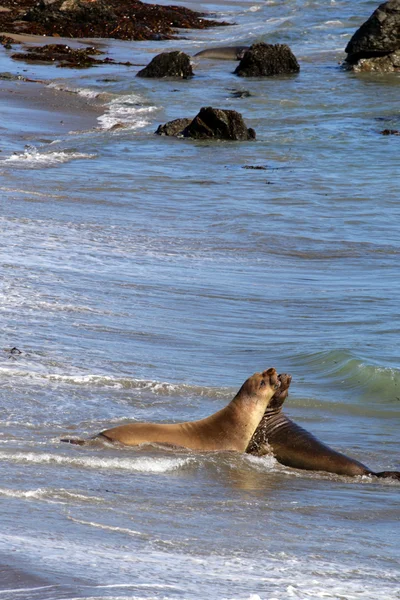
[135, 464]
[32, 157]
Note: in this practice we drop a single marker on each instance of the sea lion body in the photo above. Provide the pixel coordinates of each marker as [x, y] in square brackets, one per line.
[223, 53]
[295, 447]
[229, 429]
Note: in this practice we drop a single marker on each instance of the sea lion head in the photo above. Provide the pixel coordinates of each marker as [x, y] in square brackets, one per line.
[260, 385]
[282, 392]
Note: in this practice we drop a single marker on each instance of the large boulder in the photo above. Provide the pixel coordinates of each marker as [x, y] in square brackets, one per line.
[210, 124]
[168, 64]
[265, 60]
[375, 45]
[218, 124]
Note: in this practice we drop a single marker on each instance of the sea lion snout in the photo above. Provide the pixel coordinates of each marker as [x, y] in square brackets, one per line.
[285, 380]
[282, 392]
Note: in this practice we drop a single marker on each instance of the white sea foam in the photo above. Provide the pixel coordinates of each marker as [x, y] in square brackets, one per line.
[19, 591]
[266, 576]
[329, 25]
[124, 530]
[127, 111]
[30, 192]
[84, 92]
[57, 496]
[141, 465]
[158, 388]
[31, 157]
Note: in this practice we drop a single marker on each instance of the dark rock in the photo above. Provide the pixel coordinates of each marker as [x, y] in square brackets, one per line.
[390, 63]
[210, 123]
[215, 123]
[378, 36]
[240, 94]
[255, 167]
[390, 132]
[264, 60]
[168, 64]
[173, 128]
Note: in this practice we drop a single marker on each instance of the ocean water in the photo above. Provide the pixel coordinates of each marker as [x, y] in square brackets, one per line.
[145, 278]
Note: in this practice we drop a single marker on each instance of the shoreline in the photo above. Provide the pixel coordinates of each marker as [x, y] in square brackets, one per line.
[29, 38]
[33, 112]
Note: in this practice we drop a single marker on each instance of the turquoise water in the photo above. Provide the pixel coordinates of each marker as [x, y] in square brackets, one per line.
[146, 278]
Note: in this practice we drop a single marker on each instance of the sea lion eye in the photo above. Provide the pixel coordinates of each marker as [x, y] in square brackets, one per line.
[262, 384]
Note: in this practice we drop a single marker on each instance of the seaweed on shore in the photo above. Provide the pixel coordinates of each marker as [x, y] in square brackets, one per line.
[65, 56]
[120, 19]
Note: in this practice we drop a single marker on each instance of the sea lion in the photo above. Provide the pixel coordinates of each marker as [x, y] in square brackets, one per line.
[228, 429]
[223, 52]
[295, 447]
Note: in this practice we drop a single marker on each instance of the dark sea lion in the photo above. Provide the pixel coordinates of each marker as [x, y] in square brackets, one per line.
[223, 53]
[295, 447]
[228, 429]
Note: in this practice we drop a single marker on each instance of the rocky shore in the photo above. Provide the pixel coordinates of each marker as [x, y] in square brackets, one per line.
[119, 19]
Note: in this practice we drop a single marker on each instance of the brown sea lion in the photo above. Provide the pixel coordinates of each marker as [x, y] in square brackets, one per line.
[295, 447]
[223, 53]
[228, 429]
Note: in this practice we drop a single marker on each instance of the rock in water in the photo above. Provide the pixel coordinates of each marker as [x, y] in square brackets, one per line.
[173, 128]
[210, 124]
[168, 64]
[375, 46]
[379, 35]
[264, 60]
[219, 124]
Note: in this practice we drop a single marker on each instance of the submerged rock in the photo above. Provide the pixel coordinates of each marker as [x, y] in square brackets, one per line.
[375, 46]
[265, 60]
[168, 64]
[210, 124]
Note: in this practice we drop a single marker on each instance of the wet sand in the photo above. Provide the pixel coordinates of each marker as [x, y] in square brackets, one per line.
[23, 581]
[12, 578]
[32, 110]
[37, 40]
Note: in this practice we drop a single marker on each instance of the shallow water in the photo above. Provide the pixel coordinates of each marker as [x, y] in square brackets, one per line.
[144, 278]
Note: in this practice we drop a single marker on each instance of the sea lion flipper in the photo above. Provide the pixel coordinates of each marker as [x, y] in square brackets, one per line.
[388, 475]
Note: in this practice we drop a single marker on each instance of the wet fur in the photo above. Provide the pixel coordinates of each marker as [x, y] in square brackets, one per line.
[295, 447]
[228, 429]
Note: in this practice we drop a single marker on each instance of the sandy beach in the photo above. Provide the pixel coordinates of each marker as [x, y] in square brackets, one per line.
[36, 112]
